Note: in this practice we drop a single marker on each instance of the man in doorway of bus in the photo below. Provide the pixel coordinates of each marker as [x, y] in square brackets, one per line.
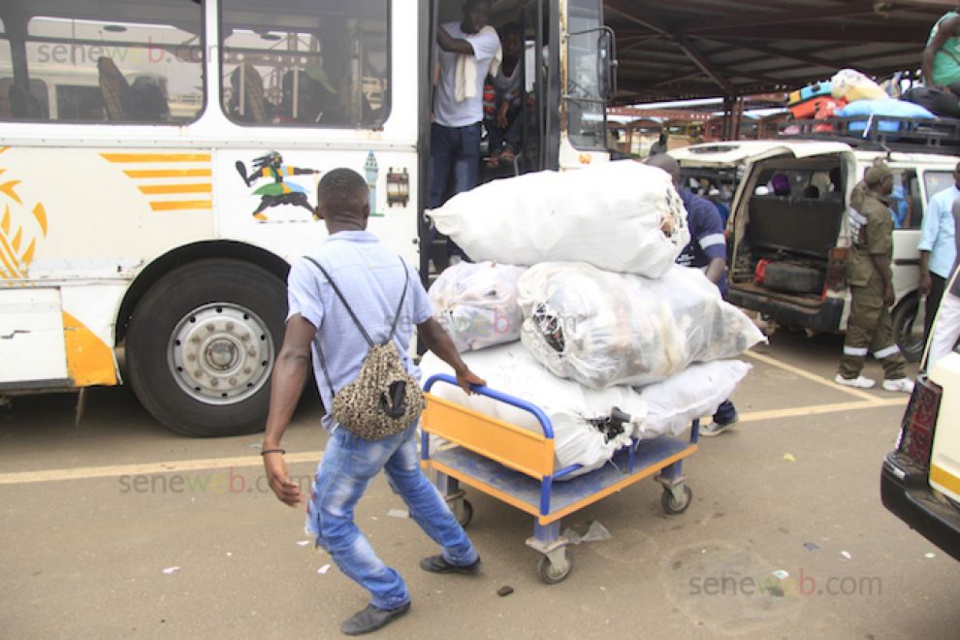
[504, 114]
[940, 62]
[707, 251]
[937, 252]
[871, 288]
[946, 327]
[468, 51]
[372, 277]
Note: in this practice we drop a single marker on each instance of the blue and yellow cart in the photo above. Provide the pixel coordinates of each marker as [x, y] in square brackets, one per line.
[516, 466]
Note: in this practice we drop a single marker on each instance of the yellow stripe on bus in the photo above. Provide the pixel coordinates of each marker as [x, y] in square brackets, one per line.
[176, 188]
[156, 157]
[180, 205]
[89, 359]
[168, 173]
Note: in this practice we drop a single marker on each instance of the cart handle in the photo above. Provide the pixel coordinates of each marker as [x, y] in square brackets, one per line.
[545, 423]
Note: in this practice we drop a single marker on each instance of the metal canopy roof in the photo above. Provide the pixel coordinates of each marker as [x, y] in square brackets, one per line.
[700, 48]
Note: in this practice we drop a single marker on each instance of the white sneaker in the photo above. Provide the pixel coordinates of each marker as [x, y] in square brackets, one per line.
[900, 384]
[859, 382]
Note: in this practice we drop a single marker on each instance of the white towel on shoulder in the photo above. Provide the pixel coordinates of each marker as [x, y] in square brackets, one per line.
[466, 86]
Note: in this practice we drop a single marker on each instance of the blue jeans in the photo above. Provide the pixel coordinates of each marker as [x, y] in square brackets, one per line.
[454, 155]
[348, 465]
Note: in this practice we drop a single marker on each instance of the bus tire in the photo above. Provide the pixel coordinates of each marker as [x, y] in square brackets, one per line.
[907, 328]
[201, 346]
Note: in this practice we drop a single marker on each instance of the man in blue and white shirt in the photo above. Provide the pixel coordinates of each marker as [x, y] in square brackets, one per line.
[707, 251]
[937, 251]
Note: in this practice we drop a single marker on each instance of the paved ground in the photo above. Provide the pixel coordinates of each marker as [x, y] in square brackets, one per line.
[119, 529]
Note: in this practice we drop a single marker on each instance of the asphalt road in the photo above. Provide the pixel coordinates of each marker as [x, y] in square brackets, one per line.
[120, 529]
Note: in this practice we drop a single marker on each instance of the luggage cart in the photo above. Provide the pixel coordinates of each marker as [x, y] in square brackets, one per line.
[516, 466]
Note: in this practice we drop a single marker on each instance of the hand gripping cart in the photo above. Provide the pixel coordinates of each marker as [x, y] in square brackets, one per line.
[516, 466]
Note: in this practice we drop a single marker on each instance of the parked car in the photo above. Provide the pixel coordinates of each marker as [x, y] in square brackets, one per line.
[920, 480]
[788, 237]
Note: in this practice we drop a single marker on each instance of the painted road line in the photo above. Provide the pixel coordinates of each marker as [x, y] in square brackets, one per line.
[84, 473]
[773, 362]
[836, 407]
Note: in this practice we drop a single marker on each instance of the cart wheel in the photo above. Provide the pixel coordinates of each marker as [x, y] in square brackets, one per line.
[671, 505]
[552, 573]
[464, 513]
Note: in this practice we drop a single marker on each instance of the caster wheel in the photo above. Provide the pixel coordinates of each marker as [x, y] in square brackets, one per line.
[671, 505]
[464, 513]
[552, 573]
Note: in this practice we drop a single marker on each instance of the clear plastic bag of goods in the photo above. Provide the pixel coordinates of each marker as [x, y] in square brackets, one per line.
[621, 216]
[477, 304]
[693, 393]
[578, 415]
[852, 85]
[602, 329]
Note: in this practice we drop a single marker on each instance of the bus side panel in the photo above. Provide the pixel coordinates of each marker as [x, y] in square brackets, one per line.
[273, 207]
[32, 345]
[76, 226]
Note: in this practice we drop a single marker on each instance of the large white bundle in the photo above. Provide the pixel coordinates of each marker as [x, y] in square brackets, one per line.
[693, 393]
[621, 216]
[601, 328]
[477, 304]
[569, 406]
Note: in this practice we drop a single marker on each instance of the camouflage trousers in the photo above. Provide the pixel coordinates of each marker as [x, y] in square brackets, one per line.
[869, 330]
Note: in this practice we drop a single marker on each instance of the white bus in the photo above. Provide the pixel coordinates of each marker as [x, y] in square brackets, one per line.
[158, 167]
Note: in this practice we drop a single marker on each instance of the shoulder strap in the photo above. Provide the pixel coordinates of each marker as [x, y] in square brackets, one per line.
[353, 316]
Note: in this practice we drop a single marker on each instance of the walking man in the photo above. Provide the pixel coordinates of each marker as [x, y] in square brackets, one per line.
[871, 287]
[707, 250]
[373, 279]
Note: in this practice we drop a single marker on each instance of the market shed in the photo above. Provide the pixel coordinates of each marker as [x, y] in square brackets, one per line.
[732, 48]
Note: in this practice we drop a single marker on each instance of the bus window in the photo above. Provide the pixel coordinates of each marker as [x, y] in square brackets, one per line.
[586, 109]
[117, 62]
[288, 63]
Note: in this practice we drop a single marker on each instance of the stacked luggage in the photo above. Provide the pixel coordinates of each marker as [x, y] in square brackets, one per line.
[576, 305]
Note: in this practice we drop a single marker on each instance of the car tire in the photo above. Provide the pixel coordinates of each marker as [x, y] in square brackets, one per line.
[908, 328]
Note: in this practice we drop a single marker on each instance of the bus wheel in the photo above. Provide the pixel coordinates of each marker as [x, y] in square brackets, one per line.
[908, 328]
[201, 347]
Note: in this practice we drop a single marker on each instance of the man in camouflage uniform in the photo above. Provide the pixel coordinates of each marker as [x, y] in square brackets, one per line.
[868, 274]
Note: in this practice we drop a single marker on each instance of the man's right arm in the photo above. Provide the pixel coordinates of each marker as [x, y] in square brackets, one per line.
[453, 45]
[929, 227]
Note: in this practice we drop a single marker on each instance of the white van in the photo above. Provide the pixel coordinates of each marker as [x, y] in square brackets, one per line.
[920, 478]
[787, 234]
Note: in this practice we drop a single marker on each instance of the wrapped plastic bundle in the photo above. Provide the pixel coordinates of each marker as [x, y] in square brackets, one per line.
[578, 415]
[477, 304]
[693, 393]
[621, 216]
[602, 329]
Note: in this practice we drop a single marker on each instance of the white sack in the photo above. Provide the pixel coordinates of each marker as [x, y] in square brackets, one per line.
[695, 392]
[621, 216]
[477, 304]
[602, 329]
[569, 406]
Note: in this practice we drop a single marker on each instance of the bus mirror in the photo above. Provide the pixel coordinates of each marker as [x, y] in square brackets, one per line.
[607, 63]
